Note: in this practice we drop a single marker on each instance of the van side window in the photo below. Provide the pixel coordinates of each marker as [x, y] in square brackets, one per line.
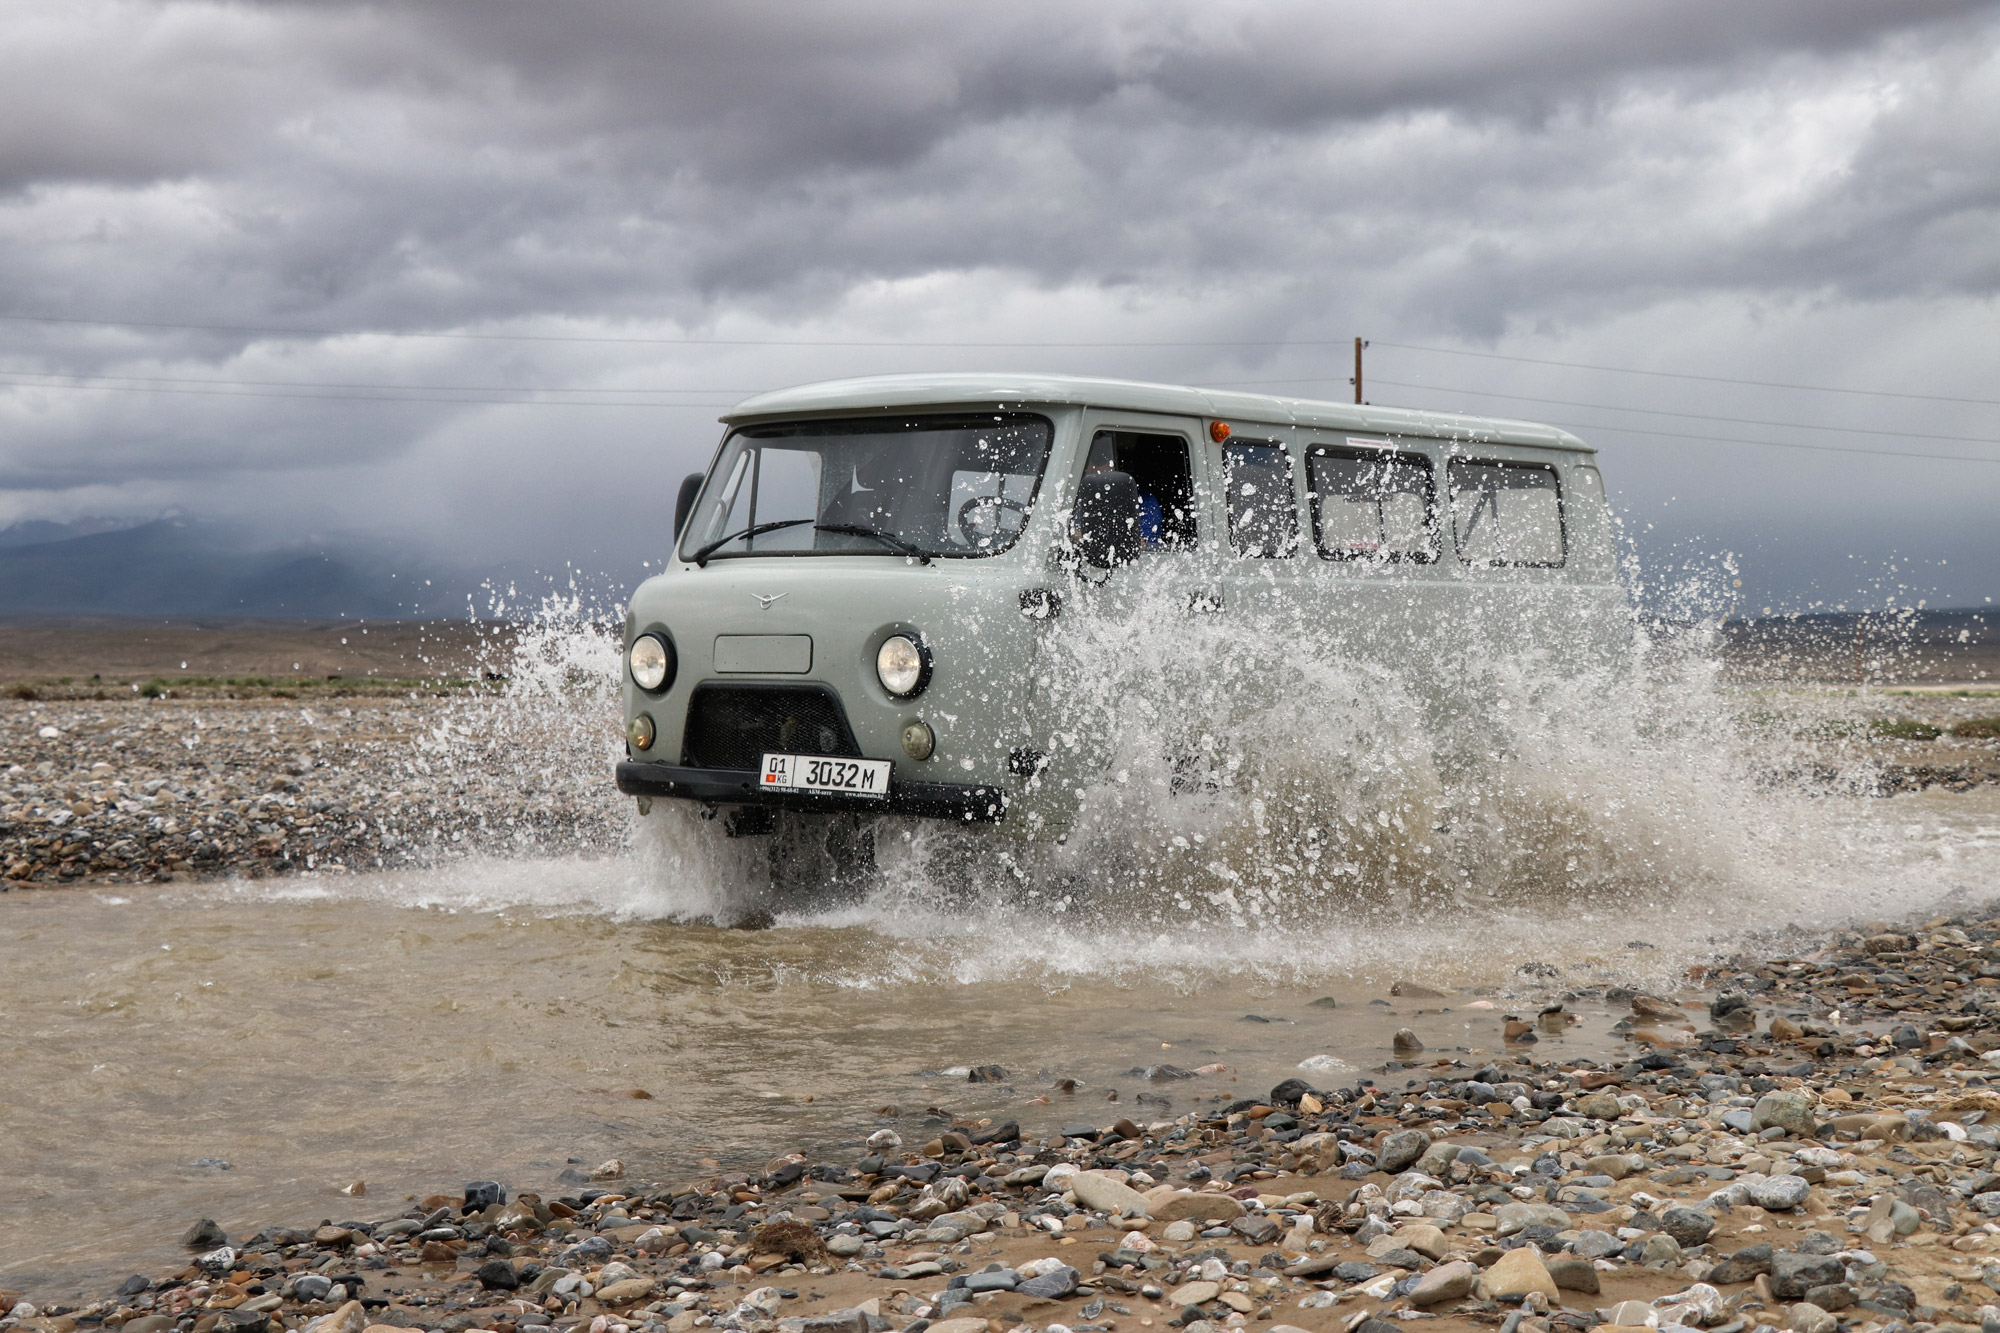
[1506, 513]
[1263, 507]
[1372, 505]
[1159, 465]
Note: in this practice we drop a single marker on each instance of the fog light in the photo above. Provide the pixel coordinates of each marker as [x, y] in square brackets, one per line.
[919, 741]
[639, 731]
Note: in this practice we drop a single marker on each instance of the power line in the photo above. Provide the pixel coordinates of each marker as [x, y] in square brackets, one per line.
[341, 384]
[1679, 375]
[1772, 444]
[252, 389]
[1643, 411]
[350, 397]
[288, 332]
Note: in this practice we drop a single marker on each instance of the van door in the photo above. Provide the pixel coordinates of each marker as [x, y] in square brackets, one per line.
[1117, 629]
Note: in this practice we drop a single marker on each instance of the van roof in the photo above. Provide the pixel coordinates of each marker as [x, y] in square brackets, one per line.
[876, 392]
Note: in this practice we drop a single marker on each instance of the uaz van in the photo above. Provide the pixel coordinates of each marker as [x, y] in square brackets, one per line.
[870, 574]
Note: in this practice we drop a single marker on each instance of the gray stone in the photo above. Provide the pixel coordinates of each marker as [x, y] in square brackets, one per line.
[1437, 1159]
[1688, 1226]
[497, 1275]
[1574, 1275]
[1400, 1149]
[1006, 1279]
[1793, 1273]
[204, 1235]
[1659, 1251]
[1515, 1217]
[1052, 1286]
[927, 1268]
[1780, 1194]
[1257, 1228]
[1596, 1245]
[1789, 1111]
[845, 1247]
[1742, 1266]
[836, 1321]
[309, 1287]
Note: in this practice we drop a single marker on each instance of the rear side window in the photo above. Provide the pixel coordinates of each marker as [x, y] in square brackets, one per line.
[1263, 506]
[1375, 506]
[1506, 514]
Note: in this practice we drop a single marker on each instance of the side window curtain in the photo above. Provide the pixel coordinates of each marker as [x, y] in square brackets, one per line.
[1372, 506]
[1263, 506]
[1506, 514]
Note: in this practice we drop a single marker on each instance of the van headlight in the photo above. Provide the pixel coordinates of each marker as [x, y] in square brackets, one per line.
[903, 666]
[650, 659]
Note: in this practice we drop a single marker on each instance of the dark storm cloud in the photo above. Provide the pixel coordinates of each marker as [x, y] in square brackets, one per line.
[1135, 171]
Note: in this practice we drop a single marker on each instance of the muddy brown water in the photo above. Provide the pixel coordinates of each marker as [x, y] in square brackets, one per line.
[491, 1020]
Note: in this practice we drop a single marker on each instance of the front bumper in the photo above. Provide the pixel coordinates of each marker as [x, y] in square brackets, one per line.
[730, 786]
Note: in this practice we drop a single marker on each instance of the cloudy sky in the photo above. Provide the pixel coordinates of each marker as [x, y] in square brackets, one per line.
[479, 274]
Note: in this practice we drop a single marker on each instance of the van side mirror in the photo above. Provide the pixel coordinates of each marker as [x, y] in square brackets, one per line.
[1106, 526]
[684, 502]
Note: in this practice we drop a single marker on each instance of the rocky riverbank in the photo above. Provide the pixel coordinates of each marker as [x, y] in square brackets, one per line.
[1802, 1143]
[213, 782]
[162, 789]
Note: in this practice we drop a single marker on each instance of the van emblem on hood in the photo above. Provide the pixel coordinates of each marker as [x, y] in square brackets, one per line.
[764, 599]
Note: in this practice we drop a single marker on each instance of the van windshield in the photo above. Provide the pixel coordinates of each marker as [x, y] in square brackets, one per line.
[930, 486]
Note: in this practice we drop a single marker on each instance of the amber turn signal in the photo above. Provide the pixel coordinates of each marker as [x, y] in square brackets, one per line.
[1218, 431]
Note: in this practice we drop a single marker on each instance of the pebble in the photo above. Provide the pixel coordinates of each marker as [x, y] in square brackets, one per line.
[1780, 1193]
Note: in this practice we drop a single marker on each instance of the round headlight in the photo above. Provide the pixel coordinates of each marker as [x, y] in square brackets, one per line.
[639, 732]
[651, 662]
[900, 665]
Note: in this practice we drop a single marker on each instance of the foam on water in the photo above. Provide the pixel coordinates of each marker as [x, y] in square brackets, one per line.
[1282, 801]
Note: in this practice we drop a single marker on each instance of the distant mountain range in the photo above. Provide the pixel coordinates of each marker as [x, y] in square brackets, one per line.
[180, 566]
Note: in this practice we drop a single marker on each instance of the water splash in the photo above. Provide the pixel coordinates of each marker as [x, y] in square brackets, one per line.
[1288, 793]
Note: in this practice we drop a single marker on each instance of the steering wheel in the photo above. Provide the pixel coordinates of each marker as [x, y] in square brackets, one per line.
[970, 511]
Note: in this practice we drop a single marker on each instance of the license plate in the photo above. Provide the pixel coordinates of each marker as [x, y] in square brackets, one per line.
[814, 772]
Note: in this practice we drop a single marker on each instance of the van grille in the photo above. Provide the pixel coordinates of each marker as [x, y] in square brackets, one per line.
[734, 726]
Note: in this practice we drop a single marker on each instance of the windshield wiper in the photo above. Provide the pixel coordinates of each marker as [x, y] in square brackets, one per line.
[922, 556]
[754, 530]
[902, 547]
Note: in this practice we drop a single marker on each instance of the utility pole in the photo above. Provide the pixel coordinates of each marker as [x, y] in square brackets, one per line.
[1359, 343]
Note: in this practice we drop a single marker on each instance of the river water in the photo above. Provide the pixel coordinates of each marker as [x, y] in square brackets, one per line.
[493, 1020]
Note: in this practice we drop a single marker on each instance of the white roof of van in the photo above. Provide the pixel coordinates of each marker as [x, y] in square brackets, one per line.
[961, 389]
